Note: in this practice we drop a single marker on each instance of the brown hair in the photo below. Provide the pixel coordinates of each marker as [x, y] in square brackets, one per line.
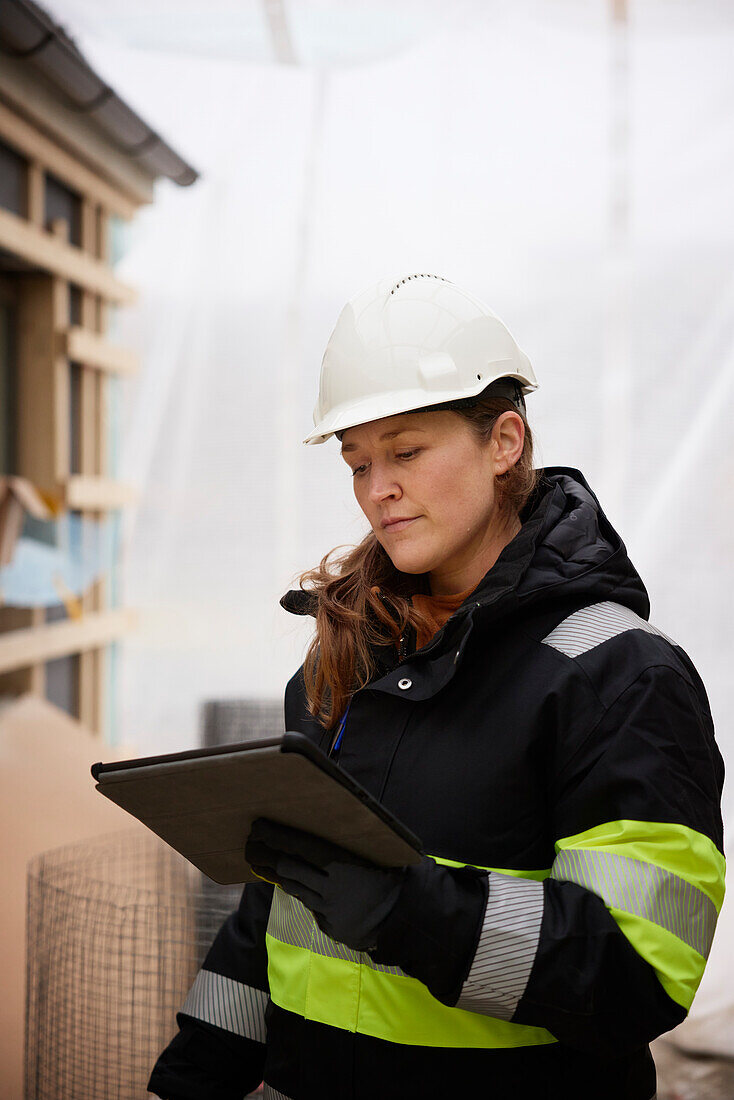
[363, 600]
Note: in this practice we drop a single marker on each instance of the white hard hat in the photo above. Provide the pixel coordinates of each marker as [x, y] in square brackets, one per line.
[412, 342]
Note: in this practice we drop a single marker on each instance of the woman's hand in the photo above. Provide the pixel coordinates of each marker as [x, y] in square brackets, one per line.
[349, 897]
[424, 918]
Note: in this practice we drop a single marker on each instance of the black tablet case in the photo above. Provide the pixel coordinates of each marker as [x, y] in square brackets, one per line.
[203, 802]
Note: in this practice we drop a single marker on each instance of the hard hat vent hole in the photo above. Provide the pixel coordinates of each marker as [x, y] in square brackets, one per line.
[408, 278]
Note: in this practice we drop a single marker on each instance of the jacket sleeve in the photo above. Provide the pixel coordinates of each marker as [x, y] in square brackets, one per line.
[608, 951]
[219, 1051]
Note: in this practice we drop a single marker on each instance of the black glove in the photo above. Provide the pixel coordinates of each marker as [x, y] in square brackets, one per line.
[425, 918]
[348, 896]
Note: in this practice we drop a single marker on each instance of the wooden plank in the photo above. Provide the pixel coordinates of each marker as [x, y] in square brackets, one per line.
[92, 669]
[88, 684]
[104, 244]
[88, 407]
[93, 663]
[91, 349]
[62, 420]
[43, 250]
[100, 659]
[61, 377]
[36, 349]
[103, 382]
[90, 681]
[93, 666]
[31, 142]
[89, 228]
[43, 410]
[88, 424]
[20, 648]
[104, 249]
[42, 383]
[87, 688]
[98, 493]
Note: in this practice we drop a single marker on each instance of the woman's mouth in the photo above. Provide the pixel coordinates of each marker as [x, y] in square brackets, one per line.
[398, 524]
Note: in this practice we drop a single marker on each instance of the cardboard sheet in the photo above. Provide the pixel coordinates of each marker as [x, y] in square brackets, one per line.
[46, 800]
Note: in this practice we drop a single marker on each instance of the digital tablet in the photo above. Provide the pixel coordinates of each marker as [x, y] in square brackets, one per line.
[203, 802]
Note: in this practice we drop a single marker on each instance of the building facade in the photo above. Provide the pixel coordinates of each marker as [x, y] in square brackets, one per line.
[76, 163]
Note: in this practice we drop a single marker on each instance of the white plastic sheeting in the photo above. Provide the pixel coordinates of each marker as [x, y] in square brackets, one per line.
[577, 178]
[709, 1029]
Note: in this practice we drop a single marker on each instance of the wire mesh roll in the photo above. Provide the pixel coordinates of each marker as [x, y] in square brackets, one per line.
[117, 928]
[224, 721]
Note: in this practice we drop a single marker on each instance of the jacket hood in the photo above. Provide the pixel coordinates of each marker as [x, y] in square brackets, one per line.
[566, 551]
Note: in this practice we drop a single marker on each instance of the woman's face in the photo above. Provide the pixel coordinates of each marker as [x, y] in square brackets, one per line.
[430, 473]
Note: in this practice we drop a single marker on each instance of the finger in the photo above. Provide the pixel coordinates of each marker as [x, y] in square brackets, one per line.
[284, 864]
[297, 870]
[257, 852]
[265, 874]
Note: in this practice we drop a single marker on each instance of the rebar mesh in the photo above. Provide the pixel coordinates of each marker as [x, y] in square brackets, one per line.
[224, 721]
[117, 928]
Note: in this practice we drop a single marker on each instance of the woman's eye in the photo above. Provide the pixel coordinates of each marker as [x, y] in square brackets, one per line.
[400, 454]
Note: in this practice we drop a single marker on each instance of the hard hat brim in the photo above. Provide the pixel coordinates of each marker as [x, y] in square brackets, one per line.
[381, 406]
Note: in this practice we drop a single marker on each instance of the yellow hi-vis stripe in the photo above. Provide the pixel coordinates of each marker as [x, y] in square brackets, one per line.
[316, 977]
[353, 994]
[663, 884]
[353, 997]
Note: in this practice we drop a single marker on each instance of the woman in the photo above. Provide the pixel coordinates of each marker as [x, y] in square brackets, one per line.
[483, 664]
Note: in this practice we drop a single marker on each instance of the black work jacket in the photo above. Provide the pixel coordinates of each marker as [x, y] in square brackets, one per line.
[545, 708]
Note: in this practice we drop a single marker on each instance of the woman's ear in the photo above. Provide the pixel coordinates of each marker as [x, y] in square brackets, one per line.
[508, 435]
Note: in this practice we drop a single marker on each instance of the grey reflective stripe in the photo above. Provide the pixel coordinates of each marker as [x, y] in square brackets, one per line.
[230, 1005]
[269, 1093]
[507, 947]
[291, 922]
[644, 890]
[590, 626]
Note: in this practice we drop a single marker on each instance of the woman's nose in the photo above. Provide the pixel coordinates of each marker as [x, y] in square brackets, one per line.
[382, 485]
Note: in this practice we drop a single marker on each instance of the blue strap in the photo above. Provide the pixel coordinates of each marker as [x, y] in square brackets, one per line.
[335, 747]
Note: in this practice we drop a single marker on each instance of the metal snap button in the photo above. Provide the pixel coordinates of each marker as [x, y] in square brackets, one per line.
[405, 683]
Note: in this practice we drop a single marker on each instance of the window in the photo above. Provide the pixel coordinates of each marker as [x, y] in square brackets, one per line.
[62, 674]
[60, 202]
[120, 239]
[75, 304]
[13, 168]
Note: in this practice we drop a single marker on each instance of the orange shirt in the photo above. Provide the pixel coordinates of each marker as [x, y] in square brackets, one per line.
[438, 610]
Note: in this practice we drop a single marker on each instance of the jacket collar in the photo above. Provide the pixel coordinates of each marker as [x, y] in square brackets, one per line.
[566, 552]
[503, 577]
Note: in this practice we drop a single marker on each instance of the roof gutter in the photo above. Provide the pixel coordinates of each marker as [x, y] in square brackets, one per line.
[29, 34]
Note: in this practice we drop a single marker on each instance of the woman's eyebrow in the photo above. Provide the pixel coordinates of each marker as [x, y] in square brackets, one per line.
[388, 435]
